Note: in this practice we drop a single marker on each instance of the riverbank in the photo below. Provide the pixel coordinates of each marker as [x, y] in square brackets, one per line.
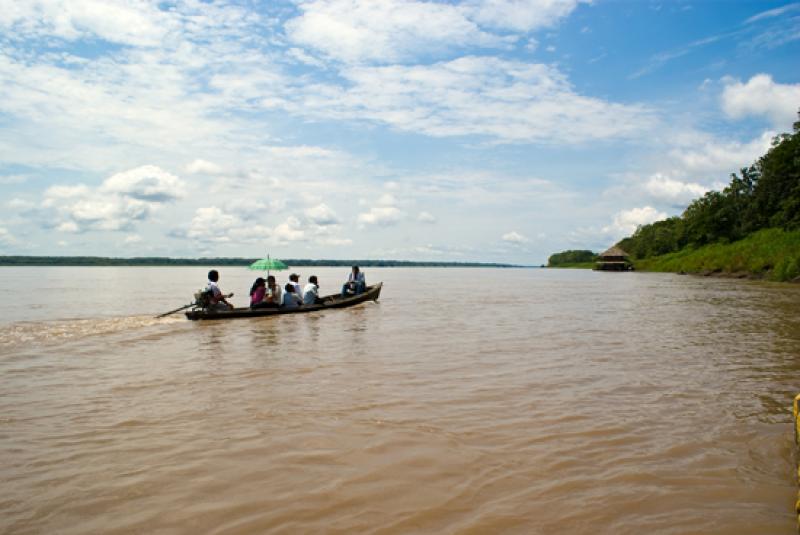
[575, 265]
[770, 254]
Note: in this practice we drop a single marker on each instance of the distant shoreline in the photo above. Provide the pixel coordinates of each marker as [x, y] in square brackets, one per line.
[158, 261]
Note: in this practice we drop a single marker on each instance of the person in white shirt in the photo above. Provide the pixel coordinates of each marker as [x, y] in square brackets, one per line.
[273, 295]
[294, 280]
[290, 298]
[311, 292]
[217, 299]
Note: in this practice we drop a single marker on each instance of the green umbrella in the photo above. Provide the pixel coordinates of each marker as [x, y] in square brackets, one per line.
[268, 264]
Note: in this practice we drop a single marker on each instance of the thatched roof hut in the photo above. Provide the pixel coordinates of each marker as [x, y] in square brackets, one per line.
[614, 253]
[613, 259]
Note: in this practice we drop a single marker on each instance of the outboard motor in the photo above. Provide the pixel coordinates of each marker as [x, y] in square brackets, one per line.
[202, 298]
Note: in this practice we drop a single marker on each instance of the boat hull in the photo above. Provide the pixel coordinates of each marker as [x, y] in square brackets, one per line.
[328, 302]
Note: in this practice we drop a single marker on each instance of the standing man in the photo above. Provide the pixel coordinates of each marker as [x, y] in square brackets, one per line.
[217, 299]
[355, 284]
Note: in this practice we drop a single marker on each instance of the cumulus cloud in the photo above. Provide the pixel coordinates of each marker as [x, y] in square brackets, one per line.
[212, 224]
[663, 187]
[708, 155]
[322, 215]
[116, 205]
[147, 183]
[381, 215]
[761, 96]
[515, 238]
[626, 221]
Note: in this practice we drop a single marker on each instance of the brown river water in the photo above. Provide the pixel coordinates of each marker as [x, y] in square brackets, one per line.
[465, 401]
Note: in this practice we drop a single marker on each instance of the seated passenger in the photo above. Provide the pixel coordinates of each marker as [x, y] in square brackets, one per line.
[294, 280]
[217, 300]
[311, 292]
[355, 284]
[259, 293]
[273, 293]
[290, 298]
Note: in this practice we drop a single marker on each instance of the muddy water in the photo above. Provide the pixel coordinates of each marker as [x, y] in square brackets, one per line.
[465, 401]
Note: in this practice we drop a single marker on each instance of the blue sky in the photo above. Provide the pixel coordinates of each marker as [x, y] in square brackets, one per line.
[488, 130]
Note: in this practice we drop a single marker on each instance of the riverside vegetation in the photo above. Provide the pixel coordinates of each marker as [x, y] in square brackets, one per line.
[572, 259]
[750, 228]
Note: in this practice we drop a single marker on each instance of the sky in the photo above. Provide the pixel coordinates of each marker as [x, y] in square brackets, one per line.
[482, 130]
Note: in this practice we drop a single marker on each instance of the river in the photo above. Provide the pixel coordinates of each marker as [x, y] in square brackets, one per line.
[525, 401]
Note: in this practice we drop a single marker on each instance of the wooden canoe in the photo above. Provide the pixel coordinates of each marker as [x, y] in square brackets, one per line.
[329, 301]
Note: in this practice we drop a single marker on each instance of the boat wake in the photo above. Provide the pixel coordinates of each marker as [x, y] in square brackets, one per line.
[47, 333]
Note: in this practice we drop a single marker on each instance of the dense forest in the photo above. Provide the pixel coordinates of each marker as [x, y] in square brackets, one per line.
[215, 262]
[571, 257]
[765, 195]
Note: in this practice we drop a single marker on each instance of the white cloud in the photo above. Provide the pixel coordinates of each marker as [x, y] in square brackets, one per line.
[706, 155]
[665, 188]
[133, 238]
[396, 30]
[381, 215]
[129, 23]
[626, 221]
[117, 204]
[515, 238]
[212, 224]
[761, 96]
[322, 215]
[335, 241]
[510, 101]
[426, 217]
[147, 183]
[770, 13]
[289, 231]
[389, 30]
[6, 238]
[520, 15]
[203, 167]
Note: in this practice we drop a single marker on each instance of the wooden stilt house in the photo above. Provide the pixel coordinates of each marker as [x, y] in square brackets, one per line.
[614, 259]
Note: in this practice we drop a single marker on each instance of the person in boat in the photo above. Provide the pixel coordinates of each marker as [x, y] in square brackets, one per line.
[290, 298]
[294, 280]
[259, 294]
[355, 284]
[217, 300]
[273, 294]
[311, 292]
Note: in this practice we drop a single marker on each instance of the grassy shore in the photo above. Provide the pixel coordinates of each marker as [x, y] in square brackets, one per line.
[575, 265]
[772, 254]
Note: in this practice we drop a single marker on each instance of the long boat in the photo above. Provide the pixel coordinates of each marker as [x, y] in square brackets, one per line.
[329, 301]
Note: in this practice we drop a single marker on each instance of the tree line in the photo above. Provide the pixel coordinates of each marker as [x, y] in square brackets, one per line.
[573, 256]
[225, 261]
[764, 195]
